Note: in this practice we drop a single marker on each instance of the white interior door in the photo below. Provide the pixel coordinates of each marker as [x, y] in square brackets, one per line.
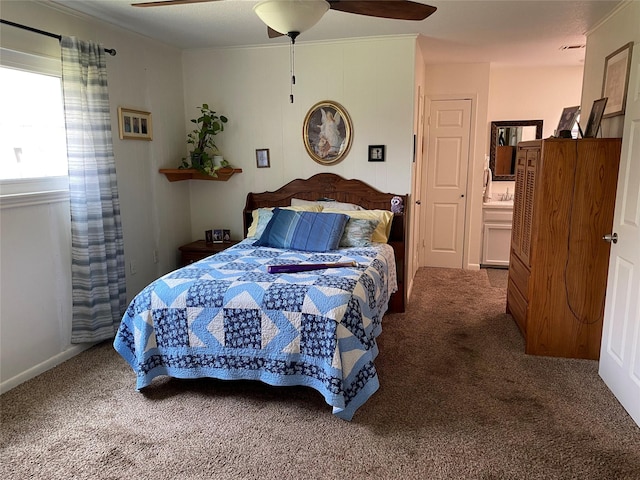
[620, 350]
[446, 180]
[416, 192]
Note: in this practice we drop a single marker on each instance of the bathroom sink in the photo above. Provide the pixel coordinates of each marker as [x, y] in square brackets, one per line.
[499, 204]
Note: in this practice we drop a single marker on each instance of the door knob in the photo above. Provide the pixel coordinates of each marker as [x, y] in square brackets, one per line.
[418, 202]
[611, 237]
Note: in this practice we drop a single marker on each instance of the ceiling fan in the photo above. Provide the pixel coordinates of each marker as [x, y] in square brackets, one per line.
[292, 17]
[280, 20]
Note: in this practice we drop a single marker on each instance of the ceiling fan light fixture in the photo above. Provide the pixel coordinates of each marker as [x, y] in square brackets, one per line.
[286, 16]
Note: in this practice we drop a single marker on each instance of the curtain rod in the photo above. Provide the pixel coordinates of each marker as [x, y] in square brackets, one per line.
[110, 51]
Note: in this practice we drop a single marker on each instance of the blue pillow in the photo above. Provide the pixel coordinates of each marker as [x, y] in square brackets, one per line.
[308, 231]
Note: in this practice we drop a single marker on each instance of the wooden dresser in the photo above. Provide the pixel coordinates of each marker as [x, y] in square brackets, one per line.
[564, 201]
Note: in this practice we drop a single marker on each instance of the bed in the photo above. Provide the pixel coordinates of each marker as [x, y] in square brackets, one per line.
[228, 317]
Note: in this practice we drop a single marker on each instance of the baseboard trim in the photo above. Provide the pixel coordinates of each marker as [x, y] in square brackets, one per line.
[42, 367]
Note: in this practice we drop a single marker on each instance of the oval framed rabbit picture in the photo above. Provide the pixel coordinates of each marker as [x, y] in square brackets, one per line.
[327, 132]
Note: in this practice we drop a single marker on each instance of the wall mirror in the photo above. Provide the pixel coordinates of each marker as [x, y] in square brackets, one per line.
[505, 136]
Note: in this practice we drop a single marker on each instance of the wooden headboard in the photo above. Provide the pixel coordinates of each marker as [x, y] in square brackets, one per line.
[329, 185]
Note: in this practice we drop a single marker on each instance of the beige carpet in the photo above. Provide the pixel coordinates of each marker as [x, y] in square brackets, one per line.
[458, 400]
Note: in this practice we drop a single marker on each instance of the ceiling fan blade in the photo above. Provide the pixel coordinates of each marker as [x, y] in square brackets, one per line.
[164, 3]
[394, 9]
[273, 33]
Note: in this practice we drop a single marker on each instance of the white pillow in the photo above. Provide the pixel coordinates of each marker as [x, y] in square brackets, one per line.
[327, 204]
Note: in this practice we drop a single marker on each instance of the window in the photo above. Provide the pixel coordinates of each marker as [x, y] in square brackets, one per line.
[33, 151]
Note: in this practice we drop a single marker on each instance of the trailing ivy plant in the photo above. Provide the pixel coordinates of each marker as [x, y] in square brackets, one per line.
[209, 124]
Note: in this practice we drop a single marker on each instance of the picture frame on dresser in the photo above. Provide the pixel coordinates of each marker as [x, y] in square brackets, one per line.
[568, 119]
[617, 67]
[595, 117]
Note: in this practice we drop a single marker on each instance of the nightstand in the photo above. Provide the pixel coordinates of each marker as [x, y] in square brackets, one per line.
[194, 251]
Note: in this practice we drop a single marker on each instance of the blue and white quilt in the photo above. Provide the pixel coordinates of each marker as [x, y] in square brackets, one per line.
[225, 317]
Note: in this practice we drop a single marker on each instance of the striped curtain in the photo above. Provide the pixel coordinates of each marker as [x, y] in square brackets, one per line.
[98, 273]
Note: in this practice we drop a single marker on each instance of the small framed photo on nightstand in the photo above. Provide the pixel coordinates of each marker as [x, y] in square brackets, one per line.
[217, 236]
[208, 236]
[376, 153]
[226, 235]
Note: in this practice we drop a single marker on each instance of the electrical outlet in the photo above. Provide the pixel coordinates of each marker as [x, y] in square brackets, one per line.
[132, 268]
[155, 256]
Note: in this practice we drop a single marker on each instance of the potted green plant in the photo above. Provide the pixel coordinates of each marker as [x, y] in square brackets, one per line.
[201, 157]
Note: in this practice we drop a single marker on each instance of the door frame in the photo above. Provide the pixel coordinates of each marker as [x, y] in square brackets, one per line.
[473, 215]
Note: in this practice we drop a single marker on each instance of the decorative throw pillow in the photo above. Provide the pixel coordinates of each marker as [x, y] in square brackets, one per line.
[260, 217]
[308, 231]
[358, 233]
[382, 217]
[326, 204]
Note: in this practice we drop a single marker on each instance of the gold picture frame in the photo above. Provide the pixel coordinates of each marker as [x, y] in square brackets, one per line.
[617, 66]
[134, 124]
[327, 132]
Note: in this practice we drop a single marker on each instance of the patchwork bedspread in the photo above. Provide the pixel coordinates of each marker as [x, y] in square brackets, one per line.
[225, 317]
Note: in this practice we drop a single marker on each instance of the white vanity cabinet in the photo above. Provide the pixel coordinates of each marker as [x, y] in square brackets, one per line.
[496, 233]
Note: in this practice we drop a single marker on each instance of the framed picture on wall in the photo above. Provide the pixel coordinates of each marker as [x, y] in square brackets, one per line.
[134, 124]
[617, 66]
[376, 153]
[262, 158]
[327, 132]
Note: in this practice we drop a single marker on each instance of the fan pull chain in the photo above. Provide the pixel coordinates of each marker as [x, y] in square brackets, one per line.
[292, 62]
[292, 66]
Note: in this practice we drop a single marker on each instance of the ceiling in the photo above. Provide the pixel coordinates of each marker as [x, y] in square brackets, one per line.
[509, 32]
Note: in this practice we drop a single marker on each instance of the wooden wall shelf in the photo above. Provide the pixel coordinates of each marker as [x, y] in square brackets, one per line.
[179, 174]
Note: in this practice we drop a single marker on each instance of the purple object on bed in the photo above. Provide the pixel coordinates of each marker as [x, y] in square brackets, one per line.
[307, 267]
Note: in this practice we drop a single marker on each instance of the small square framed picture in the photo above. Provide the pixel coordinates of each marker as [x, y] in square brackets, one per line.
[208, 236]
[262, 158]
[376, 153]
[226, 235]
[217, 236]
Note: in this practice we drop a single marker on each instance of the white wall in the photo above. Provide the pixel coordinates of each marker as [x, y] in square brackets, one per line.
[620, 28]
[251, 87]
[533, 93]
[35, 284]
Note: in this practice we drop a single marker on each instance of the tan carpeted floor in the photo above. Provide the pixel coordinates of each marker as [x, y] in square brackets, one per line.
[458, 400]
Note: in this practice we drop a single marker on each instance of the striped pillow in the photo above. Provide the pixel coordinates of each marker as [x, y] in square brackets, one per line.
[358, 233]
[308, 231]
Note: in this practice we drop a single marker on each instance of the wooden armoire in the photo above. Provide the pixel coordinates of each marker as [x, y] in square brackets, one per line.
[563, 206]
